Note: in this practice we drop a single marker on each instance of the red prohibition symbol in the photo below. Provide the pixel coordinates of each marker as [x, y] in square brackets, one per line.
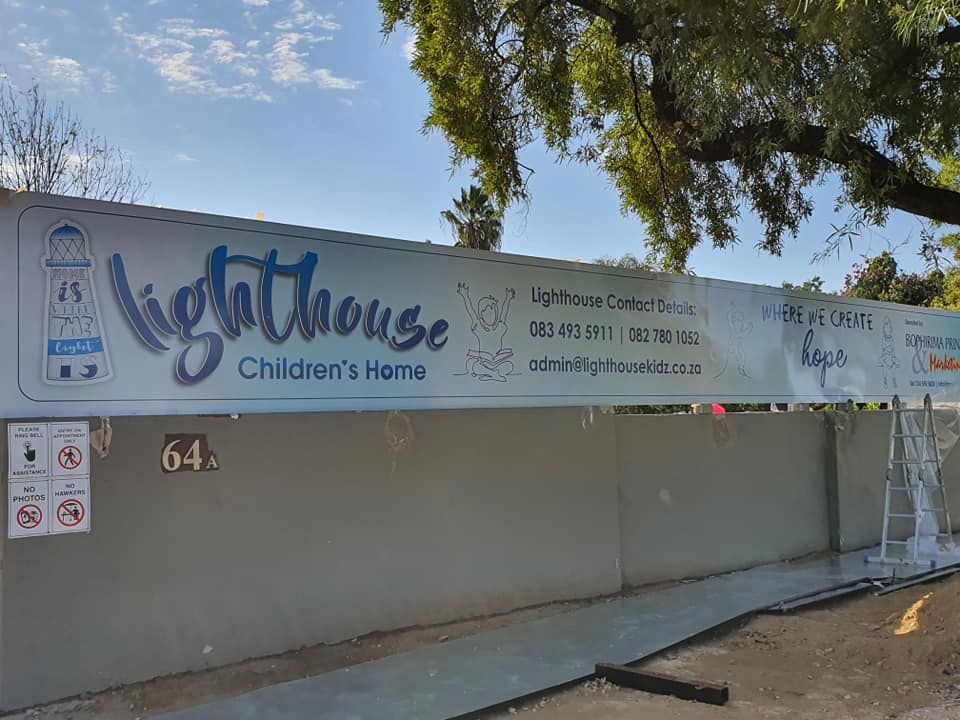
[29, 516]
[70, 457]
[71, 512]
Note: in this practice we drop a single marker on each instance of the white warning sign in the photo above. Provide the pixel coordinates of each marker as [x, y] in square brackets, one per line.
[69, 449]
[70, 505]
[28, 451]
[28, 508]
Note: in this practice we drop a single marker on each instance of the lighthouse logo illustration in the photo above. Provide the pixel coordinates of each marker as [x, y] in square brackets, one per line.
[74, 345]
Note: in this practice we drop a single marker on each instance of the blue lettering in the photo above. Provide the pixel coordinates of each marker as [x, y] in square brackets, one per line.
[130, 305]
[187, 322]
[233, 307]
[407, 324]
[247, 359]
[241, 304]
[349, 314]
[823, 359]
[437, 338]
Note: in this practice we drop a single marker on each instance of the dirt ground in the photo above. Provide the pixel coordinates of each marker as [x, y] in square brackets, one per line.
[896, 656]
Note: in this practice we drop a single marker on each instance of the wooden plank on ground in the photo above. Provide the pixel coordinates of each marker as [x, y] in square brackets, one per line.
[652, 682]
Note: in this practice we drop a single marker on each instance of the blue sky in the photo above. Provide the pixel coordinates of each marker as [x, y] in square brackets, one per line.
[298, 109]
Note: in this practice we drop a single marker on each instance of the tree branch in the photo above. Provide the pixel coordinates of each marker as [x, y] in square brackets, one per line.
[905, 193]
[624, 28]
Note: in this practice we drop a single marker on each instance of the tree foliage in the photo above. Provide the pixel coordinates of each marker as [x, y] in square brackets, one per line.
[475, 220]
[699, 110]
[880, 278]
[45, 148]
[814, 284]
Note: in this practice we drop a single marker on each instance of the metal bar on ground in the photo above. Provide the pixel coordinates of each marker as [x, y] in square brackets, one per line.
[660, 684]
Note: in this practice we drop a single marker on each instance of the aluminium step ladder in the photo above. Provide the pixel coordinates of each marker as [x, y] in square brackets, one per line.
[914, 474]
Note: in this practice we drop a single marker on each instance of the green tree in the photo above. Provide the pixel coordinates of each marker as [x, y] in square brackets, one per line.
[923, 17]
[629, 261]
[880, 278]
[475, 221]
[697, 111]
[814, 284]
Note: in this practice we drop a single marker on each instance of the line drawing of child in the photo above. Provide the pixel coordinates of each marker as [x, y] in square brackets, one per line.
[888, 356]
[739, 329]
[490, 360]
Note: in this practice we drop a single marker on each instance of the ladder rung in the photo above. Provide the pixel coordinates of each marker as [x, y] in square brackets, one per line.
[901, 515]
[897, 542]
[914, 462]
[910, 410]
[914, 435]
[928, 486]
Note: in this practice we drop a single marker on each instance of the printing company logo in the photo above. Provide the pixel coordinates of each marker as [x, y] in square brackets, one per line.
[74, 349]
[944, 363]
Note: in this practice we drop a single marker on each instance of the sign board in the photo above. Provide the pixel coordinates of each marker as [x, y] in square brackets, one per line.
[69, 449]
[48, 488]
[70, 505]
[187, 452]
[126, 310]
[27, 509]
[28, 451]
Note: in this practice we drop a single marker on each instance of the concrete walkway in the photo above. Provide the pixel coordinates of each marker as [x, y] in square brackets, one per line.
[478, 672]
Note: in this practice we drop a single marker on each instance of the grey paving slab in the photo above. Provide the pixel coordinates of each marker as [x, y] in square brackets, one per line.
[473, 673]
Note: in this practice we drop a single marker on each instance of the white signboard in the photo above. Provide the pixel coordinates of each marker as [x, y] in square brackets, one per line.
[28, 508]
[28, 451]
[69, 449]
[37, 504]
[119, 309]
[70, 505]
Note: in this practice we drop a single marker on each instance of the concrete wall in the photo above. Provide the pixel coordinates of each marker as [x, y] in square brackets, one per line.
[314, 531]
[862, 446]
[702, 494]
[308, 534]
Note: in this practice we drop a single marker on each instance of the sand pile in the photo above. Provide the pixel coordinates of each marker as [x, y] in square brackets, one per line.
[926, 634]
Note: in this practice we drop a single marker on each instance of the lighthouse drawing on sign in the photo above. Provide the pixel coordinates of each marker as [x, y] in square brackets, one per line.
[74, 345]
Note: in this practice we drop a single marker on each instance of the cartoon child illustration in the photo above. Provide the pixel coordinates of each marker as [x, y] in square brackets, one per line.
[490, 360]
[739, 329]
[888, 356]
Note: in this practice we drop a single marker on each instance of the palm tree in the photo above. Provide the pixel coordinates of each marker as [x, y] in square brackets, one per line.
[475, 221]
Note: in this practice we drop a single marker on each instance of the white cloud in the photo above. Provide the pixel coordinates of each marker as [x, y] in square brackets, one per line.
[224, 52]
[185, 28]
[211, 61]
[66, 72]
[288, 66]
[183, 157]
[302, 18]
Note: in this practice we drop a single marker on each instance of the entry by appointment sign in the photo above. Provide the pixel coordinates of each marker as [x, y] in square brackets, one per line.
[122, 310]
